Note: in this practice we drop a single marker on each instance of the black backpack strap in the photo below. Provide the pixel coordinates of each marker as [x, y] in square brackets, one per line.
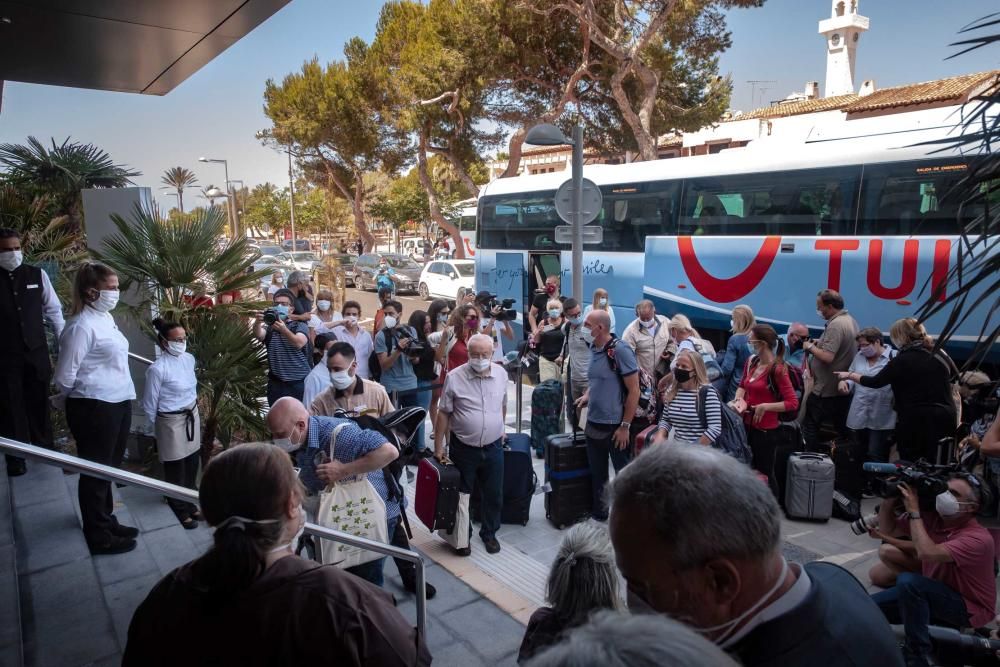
[702, 407]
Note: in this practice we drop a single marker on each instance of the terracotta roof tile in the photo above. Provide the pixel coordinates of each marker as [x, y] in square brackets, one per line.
[955, 89]
[801, 107]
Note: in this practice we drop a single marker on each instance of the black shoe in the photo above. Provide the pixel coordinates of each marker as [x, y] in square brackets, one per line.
[114, 545]
[492, 546]
[127, 532]
[410, 584]
[467, 551]
[16, 466]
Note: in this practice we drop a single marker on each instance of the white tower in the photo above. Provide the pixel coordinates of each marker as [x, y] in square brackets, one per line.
[842, 31]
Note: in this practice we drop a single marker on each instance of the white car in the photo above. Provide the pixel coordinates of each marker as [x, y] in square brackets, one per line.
[442, 278]
[302, 260]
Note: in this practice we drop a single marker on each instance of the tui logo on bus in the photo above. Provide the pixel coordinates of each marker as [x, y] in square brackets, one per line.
[735, 288]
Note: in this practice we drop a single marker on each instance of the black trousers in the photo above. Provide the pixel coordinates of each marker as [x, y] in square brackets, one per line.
[918, 431]
[24, 404]
[101, 430]
[821, 410]
[182, 472]
[771, 449]
[407, 569]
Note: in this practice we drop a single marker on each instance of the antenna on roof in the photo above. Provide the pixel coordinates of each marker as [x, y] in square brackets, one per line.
[753, 90]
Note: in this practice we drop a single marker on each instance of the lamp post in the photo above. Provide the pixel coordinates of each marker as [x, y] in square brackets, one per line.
[229, 199]
[291, 197]
[172, 194]
[550, 135]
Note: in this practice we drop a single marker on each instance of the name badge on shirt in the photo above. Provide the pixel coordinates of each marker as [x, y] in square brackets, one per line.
[32, 286]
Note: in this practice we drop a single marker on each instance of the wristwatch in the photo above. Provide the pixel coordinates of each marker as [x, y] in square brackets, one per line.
[913, 515]
[625, 425]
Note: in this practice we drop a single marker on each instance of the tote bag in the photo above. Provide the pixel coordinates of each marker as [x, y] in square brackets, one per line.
[458, 537]
[351, 505]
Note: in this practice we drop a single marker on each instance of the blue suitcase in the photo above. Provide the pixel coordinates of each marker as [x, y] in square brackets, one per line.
[519, 482]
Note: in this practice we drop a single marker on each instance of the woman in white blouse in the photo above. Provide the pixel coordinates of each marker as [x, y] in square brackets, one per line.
[170, 402]
[94, 383]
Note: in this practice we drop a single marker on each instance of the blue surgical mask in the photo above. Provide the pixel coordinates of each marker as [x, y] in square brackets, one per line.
[750, 348]
[554, 313]
[282, 311]
[588, 335]
[575, 321]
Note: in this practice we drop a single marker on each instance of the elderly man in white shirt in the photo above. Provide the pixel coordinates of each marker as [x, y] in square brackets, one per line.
[473, 408]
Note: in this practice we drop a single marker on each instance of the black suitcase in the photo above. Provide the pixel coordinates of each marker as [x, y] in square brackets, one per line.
[569, 495]
[848, 457]
[519, 483]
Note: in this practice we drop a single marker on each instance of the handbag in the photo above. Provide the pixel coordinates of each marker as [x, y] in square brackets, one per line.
[458, 537]
[351, 505]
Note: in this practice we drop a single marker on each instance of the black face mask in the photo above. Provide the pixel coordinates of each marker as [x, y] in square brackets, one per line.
[682, 374]
[796, 345]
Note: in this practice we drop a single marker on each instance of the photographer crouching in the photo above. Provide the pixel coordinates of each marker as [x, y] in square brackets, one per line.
[955, 554]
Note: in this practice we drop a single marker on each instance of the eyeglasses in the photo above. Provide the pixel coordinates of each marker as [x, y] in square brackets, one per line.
[445, 313]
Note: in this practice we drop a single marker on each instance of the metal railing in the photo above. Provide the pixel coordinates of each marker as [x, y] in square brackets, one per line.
[111, 474]
[140, 359]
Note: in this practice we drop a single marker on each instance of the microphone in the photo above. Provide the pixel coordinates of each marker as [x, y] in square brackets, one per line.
[881, 468]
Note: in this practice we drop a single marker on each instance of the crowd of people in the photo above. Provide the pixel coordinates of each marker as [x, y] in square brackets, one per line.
[692, 531]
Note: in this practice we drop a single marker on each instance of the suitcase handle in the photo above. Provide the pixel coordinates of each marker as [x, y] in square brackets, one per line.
[810, 455]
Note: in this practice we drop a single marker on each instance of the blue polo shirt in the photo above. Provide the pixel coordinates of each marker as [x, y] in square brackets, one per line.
[607, 396]
[353, 442]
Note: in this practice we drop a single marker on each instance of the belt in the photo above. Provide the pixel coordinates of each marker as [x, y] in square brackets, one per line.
[188, 421]
[453, 439]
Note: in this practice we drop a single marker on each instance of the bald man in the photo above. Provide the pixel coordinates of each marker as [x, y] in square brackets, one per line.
[473, 409]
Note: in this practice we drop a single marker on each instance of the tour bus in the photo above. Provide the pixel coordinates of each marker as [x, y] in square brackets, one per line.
[465, 218]
[767, 225]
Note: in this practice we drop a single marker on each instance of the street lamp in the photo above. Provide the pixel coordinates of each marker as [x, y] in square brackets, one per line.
[229, 202]
[264, 135]
[172, 194]
[546, 134]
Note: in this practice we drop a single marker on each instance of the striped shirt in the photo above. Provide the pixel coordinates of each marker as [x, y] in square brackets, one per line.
[681, 416]
[288, 363]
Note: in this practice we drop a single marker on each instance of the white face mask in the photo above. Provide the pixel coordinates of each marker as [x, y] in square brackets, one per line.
[341, 379]
[820, 313]
[107, 301]
[351, 319]
[732, 324]
[11, 260]
[650, 323]
[603, 301]
[479, 365]
[298, 533]
[588, 334]
[947, 505]
[286, 443]
[323, 305]
[177, 348]
[390, 322]
[726, 629]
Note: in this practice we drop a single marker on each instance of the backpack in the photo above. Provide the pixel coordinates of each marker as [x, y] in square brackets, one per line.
[374, 365]
[711, 365]
[733, 439]
[794, 376]
[647, 387]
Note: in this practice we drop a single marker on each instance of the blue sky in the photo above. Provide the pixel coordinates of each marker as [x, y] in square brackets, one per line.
[217, 111]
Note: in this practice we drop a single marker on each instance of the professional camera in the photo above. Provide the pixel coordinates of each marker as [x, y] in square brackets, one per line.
[865, 523]
[415, 346]
[505, 308]
[271, 316]
[951, 647]
[928, 481]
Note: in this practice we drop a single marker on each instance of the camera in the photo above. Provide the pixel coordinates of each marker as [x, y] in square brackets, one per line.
[415, 346]
[927, 480]
[505, 306]
[271, 316]
[865, 523]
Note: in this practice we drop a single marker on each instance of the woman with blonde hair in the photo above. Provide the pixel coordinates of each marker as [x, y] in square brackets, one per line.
[602, 301]
[922, 381]
[687, 337]
[680, 421]
[735, 356]
[583, 579]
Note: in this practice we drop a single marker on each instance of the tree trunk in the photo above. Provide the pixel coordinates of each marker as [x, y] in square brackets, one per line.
[180, 198]
[356, 196]
[643, 138]
[514, 149]
[432, 198]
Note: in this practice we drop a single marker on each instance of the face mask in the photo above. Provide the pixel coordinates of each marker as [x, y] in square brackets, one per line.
[726, 629]
[732, 324]
[282, 311]
[820, 313]
[796, 345]
[323, 305]
[390, 321]
[177, 348]
[682, 374]
[554, 313]
[11, 260]
[298, 533]
[649, 324]
[947, 505]
[285, 444]
[868, 351]
[341, 379]
[575, 321]
[550, 289]
[473, 323]
[106, 301]
[588, 334]
[603, 301]
[751, 348]
[479, 365]
[443, 319]
[352, 319]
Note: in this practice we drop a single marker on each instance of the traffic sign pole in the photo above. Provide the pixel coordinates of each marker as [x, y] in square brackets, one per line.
[577, 223]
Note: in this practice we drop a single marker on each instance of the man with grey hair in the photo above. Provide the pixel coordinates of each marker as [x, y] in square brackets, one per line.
[649, 337]
[298, 282]
[615, 639]
[698, 537]
[473, 409]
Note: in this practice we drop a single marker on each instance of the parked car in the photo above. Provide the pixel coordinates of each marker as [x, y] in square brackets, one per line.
[417, 248]
[269, 250]
[344, 261]
[303, 261]
[441, 279]
[300, 244]
[407, 272]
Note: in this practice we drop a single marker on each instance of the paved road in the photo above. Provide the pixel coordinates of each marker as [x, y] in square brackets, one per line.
[369, 302]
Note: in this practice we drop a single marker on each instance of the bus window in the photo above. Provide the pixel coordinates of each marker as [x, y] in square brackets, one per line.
[518, 222]
[632, 212]
[912, 198]
[812, 202]
[467, 223]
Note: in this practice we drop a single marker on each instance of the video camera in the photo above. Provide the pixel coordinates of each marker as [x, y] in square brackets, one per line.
[927, 480]
[951, 647]
[415, 347]
[505, 308]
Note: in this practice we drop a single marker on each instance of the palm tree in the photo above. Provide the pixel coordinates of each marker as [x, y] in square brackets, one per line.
[174, 260]
[45, 237]
[61, 172]
[179, 178]
[973, 284]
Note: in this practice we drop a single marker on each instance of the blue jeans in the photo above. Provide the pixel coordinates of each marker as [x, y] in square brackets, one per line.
[421, 400]
[372, 570]
[916, 602]
[481, 468]
[599, 449]
[280, 388]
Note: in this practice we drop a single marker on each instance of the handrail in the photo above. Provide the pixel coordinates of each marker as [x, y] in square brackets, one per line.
[112, 474]
[140, 359]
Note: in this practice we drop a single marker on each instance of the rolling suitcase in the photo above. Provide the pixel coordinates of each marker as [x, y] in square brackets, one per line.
[848, 457]
[642, 438]
[569, 495]
[809, 486]
[436, 501]
[546, 413]
[519, 482]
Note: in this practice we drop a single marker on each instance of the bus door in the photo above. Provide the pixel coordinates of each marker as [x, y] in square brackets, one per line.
[509, 281]
[541, 265]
